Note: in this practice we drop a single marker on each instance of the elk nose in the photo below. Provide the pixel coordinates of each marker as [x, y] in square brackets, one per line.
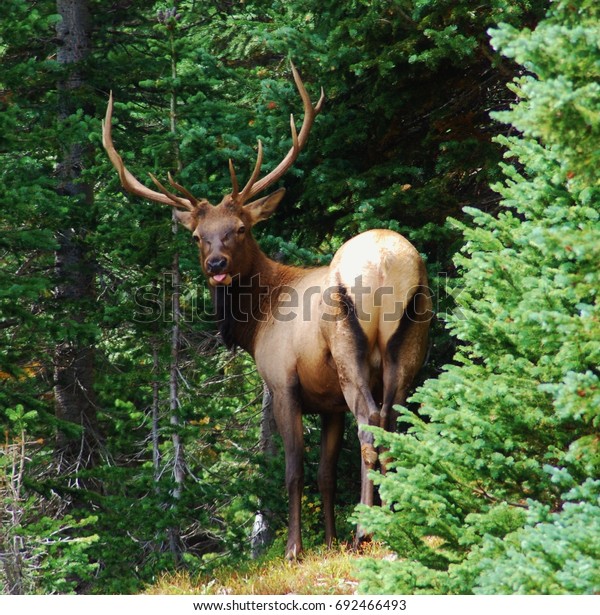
[216, 264]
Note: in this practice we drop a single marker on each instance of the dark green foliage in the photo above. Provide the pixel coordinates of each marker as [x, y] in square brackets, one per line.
[44, 549]
[554, 553]
[496, 491]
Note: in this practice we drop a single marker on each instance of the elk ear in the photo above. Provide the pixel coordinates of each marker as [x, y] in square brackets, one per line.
[263, 208]
[186, 219]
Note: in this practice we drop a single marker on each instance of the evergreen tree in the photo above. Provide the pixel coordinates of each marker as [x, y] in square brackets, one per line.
[494, 488]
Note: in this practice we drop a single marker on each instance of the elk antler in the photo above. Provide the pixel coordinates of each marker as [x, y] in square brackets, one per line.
[133, 185]
[253, 187]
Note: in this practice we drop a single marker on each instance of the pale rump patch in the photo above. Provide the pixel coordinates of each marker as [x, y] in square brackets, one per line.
[380, 270]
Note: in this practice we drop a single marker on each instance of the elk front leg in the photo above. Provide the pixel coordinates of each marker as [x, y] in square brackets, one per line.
[288, 417]
[332, 432]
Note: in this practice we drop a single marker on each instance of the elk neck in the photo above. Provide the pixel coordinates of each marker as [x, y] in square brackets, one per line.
[246, 304]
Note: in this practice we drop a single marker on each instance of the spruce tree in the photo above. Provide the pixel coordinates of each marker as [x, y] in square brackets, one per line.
[494, 489]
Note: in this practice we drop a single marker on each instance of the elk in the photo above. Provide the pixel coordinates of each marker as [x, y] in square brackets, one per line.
[350, 336]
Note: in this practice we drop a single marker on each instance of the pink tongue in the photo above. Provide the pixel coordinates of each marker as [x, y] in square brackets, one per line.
[220, 277]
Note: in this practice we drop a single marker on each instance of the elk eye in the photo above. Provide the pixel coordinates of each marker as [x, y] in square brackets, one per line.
[241, 230]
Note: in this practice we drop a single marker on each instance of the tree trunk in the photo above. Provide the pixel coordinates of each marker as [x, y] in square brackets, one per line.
[156, 456]
[178, 452]
[179, 466]
[74, 353]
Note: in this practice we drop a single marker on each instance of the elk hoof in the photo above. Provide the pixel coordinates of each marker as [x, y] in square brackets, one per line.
[369, 455]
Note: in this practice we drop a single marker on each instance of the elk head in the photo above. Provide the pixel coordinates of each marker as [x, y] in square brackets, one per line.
[222, 231]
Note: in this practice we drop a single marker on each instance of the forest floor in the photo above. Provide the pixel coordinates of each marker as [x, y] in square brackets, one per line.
[318, 572]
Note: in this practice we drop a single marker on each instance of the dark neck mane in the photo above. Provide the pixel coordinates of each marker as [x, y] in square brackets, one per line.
[246, 304]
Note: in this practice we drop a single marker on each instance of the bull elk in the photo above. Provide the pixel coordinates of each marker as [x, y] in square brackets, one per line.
[349, 336]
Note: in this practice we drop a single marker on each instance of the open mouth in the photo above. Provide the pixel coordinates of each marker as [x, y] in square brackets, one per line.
[220, 279]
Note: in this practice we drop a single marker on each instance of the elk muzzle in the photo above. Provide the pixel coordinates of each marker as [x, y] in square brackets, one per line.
[216, 270]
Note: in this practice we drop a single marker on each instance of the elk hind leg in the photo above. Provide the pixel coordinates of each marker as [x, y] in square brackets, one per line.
[403, 356]
[354, 380]
[350, 347]
[353, 375]
[332, 432]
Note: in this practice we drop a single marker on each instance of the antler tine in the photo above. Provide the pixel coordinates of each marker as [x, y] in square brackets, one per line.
[294, 131]
[247, 191]
[299, 140]
[181, 189]
[128, 180]
[234, 182]
[313, 111]
[176, 201]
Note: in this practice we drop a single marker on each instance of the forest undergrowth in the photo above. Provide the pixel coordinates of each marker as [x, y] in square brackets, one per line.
[318, 572]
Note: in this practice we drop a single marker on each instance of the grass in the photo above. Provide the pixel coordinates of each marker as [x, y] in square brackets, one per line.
[319, 572]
